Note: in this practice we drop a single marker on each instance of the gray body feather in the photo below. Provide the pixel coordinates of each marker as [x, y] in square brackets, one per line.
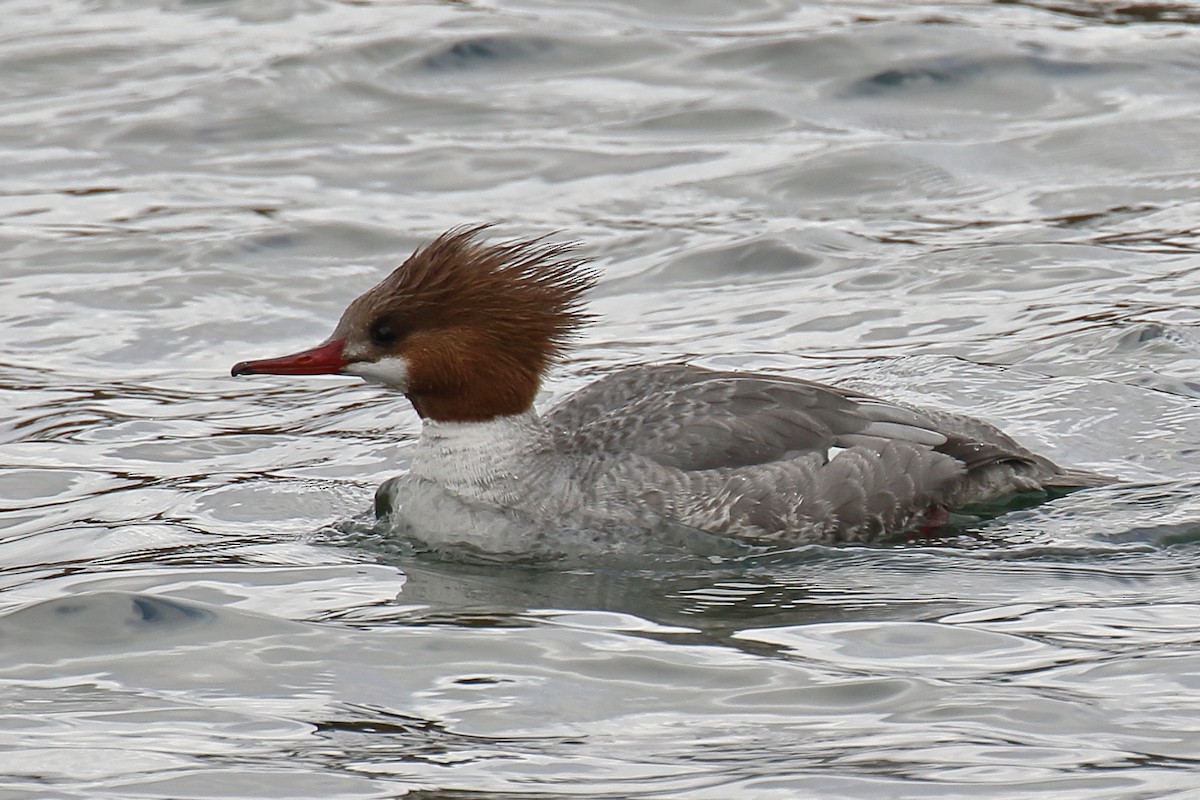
[779, 458]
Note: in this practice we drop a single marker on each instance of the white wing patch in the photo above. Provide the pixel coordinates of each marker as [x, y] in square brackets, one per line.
[904, 433]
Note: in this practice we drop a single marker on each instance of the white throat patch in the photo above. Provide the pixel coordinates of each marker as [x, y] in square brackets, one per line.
[390, 371]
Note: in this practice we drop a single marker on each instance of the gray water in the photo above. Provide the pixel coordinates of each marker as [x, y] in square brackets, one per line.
[974, 206]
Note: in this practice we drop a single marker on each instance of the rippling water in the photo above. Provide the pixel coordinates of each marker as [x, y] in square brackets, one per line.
[984, 207]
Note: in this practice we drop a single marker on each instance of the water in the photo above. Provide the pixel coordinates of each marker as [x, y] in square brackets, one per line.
[984, 207]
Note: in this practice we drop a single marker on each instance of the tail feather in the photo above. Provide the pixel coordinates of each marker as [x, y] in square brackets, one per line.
[1078, 479]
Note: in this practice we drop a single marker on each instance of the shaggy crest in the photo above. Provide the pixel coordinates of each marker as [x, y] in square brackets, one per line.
[527, 293]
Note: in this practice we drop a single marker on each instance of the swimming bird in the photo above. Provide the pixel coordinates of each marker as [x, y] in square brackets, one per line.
[466, 329]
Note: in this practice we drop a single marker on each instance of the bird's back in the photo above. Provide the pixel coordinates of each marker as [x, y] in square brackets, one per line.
[783, 458]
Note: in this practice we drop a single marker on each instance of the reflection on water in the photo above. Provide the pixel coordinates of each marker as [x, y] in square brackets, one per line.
[982, 207]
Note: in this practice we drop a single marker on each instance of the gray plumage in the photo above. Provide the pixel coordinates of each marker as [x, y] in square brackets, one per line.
[779, 458]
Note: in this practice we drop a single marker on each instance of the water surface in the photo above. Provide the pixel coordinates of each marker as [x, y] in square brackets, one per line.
[987, 207]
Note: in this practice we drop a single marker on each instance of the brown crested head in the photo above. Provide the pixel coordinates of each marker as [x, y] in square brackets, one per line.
[466, 328]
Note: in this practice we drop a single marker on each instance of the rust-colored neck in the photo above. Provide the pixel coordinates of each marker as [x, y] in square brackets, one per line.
[470, 376]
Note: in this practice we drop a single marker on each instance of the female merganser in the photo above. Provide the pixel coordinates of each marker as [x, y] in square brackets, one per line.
[467, 329]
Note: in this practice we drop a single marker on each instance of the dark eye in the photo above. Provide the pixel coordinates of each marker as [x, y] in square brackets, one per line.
[382, 333]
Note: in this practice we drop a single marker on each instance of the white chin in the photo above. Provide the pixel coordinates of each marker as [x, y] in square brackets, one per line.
[390, 371]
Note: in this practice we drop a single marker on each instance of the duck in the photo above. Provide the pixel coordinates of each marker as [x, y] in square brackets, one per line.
[467, 329]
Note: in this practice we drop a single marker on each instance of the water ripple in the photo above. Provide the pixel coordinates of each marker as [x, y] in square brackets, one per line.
[982, 207]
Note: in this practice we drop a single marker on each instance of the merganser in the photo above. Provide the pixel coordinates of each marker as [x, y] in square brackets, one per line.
[466, 330]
